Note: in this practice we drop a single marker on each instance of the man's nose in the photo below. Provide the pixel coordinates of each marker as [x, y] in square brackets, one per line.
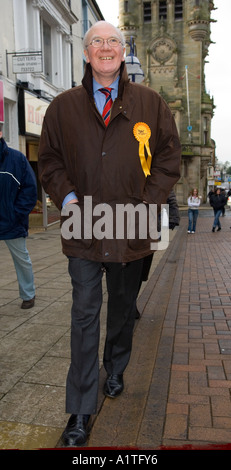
[105, 44]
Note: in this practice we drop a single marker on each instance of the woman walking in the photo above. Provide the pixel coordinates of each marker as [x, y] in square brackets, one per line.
[194, 201]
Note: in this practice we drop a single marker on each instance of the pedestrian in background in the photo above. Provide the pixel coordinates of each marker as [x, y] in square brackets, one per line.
[223, 192]
[90, 148]
[218, 202]
[210, 193]
[18, 196]
[194, 201]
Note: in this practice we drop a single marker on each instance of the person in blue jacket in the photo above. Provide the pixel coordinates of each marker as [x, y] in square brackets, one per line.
[18, 196]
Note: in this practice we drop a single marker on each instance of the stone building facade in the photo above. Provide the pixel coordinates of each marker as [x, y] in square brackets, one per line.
[172, 39]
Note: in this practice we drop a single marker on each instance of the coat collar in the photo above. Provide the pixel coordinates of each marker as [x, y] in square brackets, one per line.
[87, 80]
[123, 104]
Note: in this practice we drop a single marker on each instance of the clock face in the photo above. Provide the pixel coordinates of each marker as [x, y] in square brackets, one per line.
[162, 50]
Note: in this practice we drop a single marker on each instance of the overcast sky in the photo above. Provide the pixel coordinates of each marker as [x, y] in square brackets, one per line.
[218, 70]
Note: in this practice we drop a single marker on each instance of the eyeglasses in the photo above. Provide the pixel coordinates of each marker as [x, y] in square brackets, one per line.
[98, 42]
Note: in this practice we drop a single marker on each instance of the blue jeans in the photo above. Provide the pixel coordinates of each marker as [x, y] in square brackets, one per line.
[192, 219]
[23, 267]
[216, 221]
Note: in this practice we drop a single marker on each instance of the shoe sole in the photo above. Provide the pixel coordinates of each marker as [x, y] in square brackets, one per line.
[81, 444]
[107, 394]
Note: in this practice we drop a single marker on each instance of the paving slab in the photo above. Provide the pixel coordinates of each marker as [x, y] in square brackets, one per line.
[177, 384]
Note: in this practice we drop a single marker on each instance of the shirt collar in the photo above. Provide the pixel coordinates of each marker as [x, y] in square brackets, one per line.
[114, 85]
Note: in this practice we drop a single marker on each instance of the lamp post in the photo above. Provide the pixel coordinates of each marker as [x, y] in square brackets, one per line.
[134, 70]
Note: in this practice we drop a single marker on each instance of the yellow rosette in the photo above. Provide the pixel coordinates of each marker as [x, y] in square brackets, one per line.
[142, 133]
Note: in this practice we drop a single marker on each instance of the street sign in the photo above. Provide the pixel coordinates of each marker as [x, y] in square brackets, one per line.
[27, 63]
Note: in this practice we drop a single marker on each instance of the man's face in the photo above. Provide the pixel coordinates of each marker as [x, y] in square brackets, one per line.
[105, 60]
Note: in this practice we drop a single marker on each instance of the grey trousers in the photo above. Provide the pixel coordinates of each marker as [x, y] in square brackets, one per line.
[122, 285]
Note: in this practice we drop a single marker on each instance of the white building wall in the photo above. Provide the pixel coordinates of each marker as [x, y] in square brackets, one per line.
[8, 78]
[28, 22]
[21, 31]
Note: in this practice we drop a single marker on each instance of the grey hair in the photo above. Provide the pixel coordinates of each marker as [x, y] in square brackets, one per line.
[120, 34]
[1, 126]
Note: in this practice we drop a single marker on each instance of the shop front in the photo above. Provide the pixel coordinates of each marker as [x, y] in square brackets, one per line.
[31, 111]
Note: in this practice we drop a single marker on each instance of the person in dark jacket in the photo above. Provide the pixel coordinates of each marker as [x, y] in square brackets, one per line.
[18, 196]
[134, 160]
[223, 192]
[217, 201]
[210, 194]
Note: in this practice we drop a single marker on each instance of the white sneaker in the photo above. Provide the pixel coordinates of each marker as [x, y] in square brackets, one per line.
[192, 232]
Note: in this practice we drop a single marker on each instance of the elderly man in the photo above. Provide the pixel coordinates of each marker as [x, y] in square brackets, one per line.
[111, 142]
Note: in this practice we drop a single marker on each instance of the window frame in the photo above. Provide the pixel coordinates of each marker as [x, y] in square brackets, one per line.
[147, 12]
[46, 71]
[163, 8]
[178, 10]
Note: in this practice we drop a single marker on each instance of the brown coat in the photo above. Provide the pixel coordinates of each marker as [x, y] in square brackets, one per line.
[77, 153]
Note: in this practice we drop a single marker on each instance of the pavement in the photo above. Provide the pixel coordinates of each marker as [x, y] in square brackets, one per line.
[178, 381]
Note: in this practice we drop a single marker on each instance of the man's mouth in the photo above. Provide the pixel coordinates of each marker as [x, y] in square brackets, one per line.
[106, 58]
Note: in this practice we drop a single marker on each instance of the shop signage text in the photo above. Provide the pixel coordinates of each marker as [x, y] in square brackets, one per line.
[27, 63]
[35, 109]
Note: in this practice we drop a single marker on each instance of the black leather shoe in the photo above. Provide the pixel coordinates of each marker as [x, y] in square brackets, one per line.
[114, 385]
[76, 431]
[28, 303]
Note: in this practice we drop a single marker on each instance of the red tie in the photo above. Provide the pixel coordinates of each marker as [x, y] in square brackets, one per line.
[108, 104]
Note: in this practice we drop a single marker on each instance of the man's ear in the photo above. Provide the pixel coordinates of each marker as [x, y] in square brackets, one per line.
[86, 55]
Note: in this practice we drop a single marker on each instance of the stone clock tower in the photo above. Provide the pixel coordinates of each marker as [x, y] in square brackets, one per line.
[172, 38]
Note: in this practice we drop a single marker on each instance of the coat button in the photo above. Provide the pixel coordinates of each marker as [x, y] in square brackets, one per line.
[103, 154]
[106, 254]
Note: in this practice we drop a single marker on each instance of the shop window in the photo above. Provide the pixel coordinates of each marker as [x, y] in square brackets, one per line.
[178, 10]
[147, 12]
[46, 42]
